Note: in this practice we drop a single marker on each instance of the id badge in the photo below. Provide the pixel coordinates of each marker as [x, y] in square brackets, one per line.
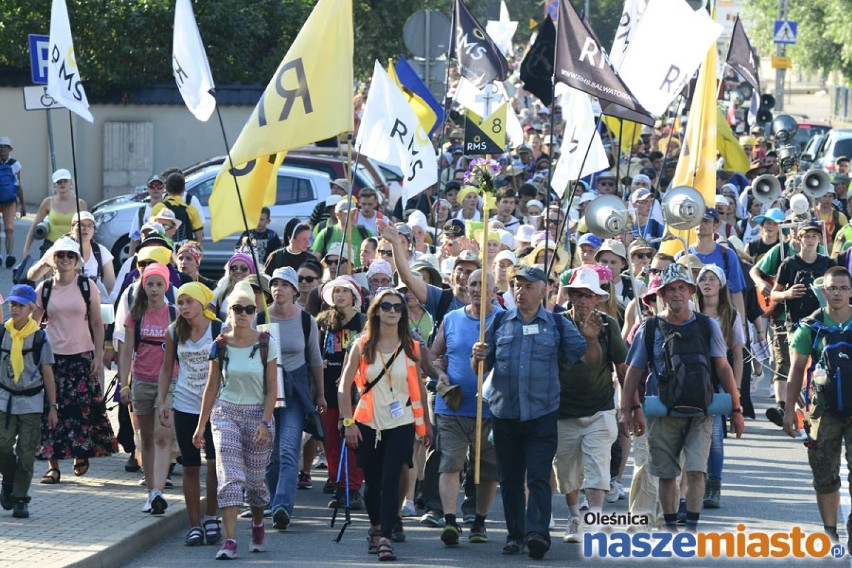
[395, 409]
[531, 329]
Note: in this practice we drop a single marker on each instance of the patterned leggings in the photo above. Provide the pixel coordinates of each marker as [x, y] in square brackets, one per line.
[240, 464]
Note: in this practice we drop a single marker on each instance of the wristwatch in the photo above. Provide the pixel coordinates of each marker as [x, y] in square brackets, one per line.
[347, 422]
[266, 423]
[737, 409]
[53, 405]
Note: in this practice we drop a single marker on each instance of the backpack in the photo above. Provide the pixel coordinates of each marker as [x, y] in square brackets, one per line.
[8, 182]
[215, 331]
[137, 330]
[687, 382]
[222, 356]
[328, 234]
[184, 232]
[836, 393]
[39, 339]
[84, 283]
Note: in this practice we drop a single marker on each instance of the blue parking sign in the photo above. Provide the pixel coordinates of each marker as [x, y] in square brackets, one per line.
[39, 53]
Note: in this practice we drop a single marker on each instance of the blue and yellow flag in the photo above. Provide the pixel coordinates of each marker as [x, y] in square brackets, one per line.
[425, 105]
[308, 99]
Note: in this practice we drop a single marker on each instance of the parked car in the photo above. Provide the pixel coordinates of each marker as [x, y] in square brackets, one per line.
[837, 142]
[299, 190]
[807, 130]
[806, 158]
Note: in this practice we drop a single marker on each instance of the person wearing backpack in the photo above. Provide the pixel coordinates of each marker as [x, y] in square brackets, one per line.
[71, 305]
[188, 344]
[139, 362]
[238, 401]
[26, 380]
[334, 233]
[58, 209]
[824, 338]
[685, 352]
[188, 219]
[11, 194]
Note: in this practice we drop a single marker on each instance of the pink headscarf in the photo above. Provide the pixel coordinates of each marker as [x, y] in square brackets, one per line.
[155, 269]
[245, 258]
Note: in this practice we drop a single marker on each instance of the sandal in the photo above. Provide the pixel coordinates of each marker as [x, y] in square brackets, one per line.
[385, 551]
[372, 546]
[49, 479]
[195, 537]
[212, 531]
[81, 467]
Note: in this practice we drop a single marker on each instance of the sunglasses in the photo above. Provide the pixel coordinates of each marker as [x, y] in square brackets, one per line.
[60, 254]
[308, 279]
[643, 255]
[239, 268]
[385, 252]
[577, 294]
[336, 261]
[239, 309]
[606, 182]
[388, 306]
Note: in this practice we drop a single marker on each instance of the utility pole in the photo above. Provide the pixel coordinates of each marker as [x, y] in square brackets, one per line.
[781, 50]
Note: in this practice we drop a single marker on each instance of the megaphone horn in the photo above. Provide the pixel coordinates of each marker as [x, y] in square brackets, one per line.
[606, 216]
[815, 183]
[766, 188]
[683, 207]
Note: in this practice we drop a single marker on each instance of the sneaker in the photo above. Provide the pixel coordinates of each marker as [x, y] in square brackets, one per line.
[169, 482]
[22, 510]
[158, 504]
[712, 494]
[258, 538]
[681, 512]
[450, 534]
[228, 550]
[397, 532]
[280, 519]
[536, 547]
[146, 508]
[142, 482]
[267, 514]
[477, 534]
[552, 524]
[573, 533]
[329, 487]
[432, 519]
[321, 462]
[615, 491]
[6, 500]
[304, 480]
[408, 509]
[513, 547]
[775, 415]
[468, 520]
[356, 502]
[584, 504]
[132, 464]
[10, 261]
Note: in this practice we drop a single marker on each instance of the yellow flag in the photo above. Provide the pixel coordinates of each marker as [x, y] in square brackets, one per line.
[697, 164]
[308, 99]
[729, 147]
[626, 131]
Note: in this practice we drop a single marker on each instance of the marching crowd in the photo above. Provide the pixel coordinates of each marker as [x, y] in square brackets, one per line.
[357, 331]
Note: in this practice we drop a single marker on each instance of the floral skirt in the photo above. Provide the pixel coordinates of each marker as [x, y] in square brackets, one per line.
[83, 429]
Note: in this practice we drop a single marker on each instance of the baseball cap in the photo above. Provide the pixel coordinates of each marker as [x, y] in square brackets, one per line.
[454, 227]
[809, 225]
[338, 250]
[155, 177]
[467, 256]
[711, 213]
[21, 293]
[531, 273]
[591, 240]
[6, 141]
[640, 194]
[61, 174]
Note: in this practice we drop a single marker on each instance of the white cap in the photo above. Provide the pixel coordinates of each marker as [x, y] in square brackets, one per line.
[61, 174]
[6, 141]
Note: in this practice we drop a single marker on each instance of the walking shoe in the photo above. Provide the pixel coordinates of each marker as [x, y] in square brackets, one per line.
[775, 415]
[433, 519]
[212, 531]
[450, 534]
[712, 494]
[228, 550]
[536, 547]
[552, 524]
[280, 519]
[468, 520]
[584, 504]
[146, 508]
[6, 500]
[573, 533]
[267, 514]
[478, 535]
[397, 532]
[681, 512]
[513, 547]
[132, 464]
[258, 538]
[305, 480]
[169, 482]
[320, 461]
[10, 261]
[615, 491]
[142, 482]
[356, 502]
[329, 487]
[158, 504]
[408, 509]
[195, 537]
[21, 511]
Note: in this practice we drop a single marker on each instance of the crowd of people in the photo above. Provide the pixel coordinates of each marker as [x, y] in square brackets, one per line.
[356, 332]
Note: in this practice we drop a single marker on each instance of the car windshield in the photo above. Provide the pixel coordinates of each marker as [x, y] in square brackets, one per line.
[843, 147]
[808, 131]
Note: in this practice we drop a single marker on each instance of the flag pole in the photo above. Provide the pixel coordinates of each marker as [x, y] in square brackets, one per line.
[76, 188]
[232, 169]
[617, 155]
[441, 186]
[669, 143]
[549, 265]
[347, 240]
[480, 369]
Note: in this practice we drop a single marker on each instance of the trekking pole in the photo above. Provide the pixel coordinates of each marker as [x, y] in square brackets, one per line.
[344, 462]
[336, 495]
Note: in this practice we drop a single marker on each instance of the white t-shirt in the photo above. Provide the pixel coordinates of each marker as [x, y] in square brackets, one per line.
[90, 267]
[194, 364]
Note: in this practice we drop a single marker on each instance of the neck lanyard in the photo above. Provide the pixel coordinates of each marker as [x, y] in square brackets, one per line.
[385, 367]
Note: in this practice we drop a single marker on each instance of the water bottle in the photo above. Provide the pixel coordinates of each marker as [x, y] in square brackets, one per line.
[819, 376]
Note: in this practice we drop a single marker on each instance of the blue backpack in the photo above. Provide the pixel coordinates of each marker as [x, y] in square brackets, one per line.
[8, 182]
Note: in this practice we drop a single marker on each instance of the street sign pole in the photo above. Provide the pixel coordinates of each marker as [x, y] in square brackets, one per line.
[50, 141]
[781, 50]
[39, 45]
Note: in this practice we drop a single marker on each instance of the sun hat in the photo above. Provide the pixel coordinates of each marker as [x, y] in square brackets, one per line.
[506, 255]
[587, 279]
[650, 294]
[773, 214]
[64, 243]
[6, 141]
[524, 234]
[467, 256]
[613, 246]
[675, 273]
[166, 214]
[287, 274]
[691, 262]
[639, 245]
[380, 267]
[341, 282]
[338, 250]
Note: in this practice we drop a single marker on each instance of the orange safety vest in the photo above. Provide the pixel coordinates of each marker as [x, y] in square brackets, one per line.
[364, 410]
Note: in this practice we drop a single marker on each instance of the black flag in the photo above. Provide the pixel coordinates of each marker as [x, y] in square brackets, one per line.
[741, 56]
[537, 66]
[480, 61]
[582, 63]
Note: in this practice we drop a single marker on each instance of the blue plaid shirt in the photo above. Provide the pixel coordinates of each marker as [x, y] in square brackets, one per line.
[525, 381]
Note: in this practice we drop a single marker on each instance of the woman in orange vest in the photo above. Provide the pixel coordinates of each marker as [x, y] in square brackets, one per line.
[384, 366]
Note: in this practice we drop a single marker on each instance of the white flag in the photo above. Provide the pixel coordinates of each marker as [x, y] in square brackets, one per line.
[633, 10]
[63, 77]
[482, 101]
[667, 47]
[391, 133]
[503, 30]
[189, 63]
[579, 132]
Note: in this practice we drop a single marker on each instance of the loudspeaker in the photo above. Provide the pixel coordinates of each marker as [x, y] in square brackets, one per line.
[683, 207]
[766, 188]
[815, 183]
[607, 216]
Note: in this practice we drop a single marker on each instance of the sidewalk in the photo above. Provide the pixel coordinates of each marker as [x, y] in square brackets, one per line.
[90, 521]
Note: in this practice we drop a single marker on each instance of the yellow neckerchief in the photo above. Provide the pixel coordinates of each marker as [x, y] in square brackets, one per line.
[16, 353]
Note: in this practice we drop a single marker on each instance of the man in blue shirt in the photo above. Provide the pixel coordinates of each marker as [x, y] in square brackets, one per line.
[523, 348]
